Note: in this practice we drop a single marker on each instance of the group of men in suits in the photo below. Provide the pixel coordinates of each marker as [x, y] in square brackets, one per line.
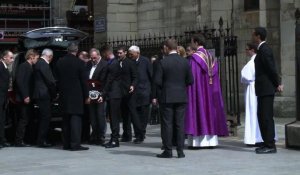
[126, 89]
[127, 85]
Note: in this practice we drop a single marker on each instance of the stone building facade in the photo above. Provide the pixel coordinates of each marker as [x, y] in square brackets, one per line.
[140, 17]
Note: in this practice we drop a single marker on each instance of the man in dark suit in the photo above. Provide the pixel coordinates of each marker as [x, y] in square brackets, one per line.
[97, 69]
[6, 59]
[128, 84]
[267, 82]
[44, 91]
[173, 76]
[73, 93]
[24, 88]
[143, 88]
[114, 93]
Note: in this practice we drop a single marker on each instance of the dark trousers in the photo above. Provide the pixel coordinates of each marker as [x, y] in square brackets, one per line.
[2, 120]
[130, 115]
[115, 113]
[72, 131]
[143, 112]
[265, 119]
[98, 121]
[44, 119]
[86, 128]
[24, 111]
[173, 116]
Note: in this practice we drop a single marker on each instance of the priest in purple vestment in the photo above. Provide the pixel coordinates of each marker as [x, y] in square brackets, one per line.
[205, 117]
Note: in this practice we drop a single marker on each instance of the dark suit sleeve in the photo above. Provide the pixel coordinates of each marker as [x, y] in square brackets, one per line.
[189, 76]
[83, 79]
[48, 78]
[22, 78]
[103, 76]
[270, 66]
[133, 74]
[109, 80]
[158, 79]
[150, 70]
[153, 85]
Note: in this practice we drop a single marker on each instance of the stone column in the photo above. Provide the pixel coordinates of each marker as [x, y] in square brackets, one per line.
[297, 65]
[293, 129]
[286, 103]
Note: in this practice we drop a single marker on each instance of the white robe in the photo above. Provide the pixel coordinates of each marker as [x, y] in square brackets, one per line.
[252, 131]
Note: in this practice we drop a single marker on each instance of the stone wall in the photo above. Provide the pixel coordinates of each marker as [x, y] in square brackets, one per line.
[121, 18]
[167, 16]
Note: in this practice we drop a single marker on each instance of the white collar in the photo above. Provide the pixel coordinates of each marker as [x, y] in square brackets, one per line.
[260, 44]
[4, 64]
[200, 47]
[137, 59]
[253, 56]
[45, 60]
[172, 52]
[97, 62]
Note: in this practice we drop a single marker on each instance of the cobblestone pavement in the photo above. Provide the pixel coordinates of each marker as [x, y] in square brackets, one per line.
[232, 157]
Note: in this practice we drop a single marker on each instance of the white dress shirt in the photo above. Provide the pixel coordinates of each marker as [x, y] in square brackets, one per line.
[93, 69]
[4, 64]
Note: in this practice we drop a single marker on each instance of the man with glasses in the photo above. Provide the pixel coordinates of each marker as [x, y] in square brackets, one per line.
[97, 76]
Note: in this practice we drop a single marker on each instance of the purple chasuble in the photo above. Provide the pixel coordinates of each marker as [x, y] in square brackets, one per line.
[205, 109]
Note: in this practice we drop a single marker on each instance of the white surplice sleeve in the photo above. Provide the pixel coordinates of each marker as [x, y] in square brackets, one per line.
[248, 72]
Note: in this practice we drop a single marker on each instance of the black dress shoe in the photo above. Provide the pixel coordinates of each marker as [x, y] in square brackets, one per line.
[261, 147]
[100, 142]
[164, 154]
[80, 148]
[138, 141]
[112, 144]
[180, 154]
[22, 144]
[124, 139]
[45, 145]
[266, 150]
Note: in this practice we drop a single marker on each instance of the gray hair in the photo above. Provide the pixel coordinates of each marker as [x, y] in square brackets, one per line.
[134, 49]
[47, 52]
[95, 50]
[72, 47]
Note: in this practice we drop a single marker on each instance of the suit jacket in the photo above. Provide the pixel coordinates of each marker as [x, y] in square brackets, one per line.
[144, 78]
[266, 75]
[44, 82]
[100, 73]
[155, 90]
[113, 88]
[173, 76]
[24, 81]
[72, 84]
[129, 75]
[4, 80]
